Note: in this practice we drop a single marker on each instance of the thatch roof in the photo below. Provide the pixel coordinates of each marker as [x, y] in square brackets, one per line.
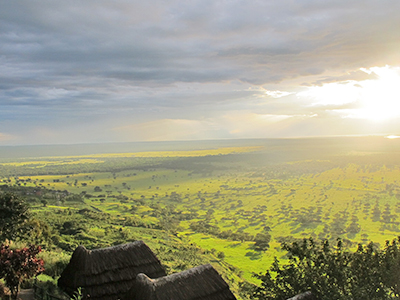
[108, 273]
[200, 283]
[304, 296]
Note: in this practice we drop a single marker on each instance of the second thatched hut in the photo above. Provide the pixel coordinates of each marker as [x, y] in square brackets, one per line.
[200, 283]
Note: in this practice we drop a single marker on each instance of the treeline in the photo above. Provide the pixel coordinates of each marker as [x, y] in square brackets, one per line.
[105, 165]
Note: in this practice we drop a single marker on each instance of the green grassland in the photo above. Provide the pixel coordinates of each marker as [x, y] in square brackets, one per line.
[219, 200]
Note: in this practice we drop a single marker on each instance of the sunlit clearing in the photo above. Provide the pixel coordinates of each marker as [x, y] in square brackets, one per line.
[374, 99]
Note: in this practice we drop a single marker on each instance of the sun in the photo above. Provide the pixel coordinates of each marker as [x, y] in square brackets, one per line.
[380, 98]
[375, 99]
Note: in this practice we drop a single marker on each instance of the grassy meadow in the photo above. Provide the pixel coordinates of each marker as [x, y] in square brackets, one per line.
[222, 198]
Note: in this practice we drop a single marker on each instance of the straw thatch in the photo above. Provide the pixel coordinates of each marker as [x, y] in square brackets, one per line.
[200, 283]
[304, 296]
[107, 274]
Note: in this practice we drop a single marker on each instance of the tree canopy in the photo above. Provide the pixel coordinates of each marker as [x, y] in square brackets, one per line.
[334, 272]
[14, 214]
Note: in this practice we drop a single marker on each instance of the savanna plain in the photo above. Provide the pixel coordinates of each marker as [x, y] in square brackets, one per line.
[230, 203]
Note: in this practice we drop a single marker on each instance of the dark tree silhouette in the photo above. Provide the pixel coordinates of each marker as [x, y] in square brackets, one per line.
[13, 215]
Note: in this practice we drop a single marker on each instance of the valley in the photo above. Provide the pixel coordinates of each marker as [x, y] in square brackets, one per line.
[234, 204]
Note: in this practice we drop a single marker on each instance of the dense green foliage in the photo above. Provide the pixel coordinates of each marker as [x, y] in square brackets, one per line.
[334, 272]
[13, 215]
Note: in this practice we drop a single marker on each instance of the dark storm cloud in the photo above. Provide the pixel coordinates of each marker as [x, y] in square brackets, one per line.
[196, 41]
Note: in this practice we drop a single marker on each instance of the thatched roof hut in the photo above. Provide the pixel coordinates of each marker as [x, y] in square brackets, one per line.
[200, 283]
[108, 273]
[304, 296]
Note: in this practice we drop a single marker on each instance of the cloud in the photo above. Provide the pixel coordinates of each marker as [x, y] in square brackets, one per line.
[373, 99]
[277, 94]
[6, 137]
[110, 63]
[235, 124]
[242, 124]
[337, 93]
[203, 41]
[168, 129]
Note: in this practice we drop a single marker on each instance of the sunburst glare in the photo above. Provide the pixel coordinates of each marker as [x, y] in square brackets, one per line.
[373, 99]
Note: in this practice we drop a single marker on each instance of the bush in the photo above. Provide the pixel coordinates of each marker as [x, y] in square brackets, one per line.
[54, 262]
[334, 272]
[17, 265]
[44, 288]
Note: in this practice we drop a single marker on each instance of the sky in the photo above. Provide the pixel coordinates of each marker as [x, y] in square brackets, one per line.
[121, 71]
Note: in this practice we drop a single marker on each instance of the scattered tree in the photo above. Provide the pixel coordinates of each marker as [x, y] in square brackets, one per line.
[221, 255]
[262, 241]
